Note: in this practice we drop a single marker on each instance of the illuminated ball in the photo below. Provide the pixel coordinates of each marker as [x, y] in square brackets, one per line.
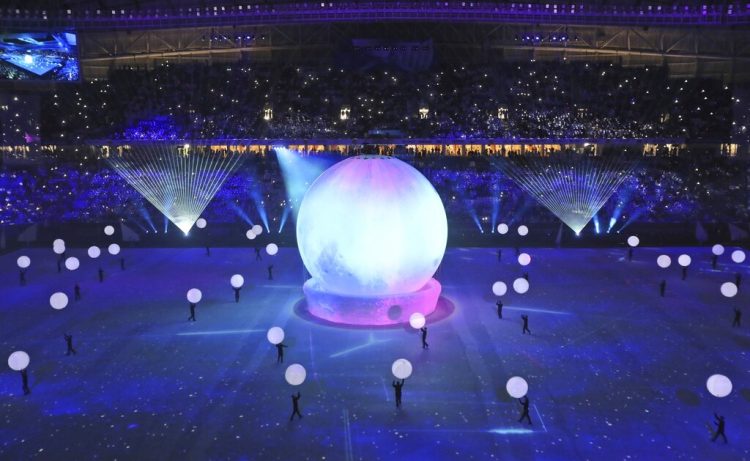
[23, 262]
[499, 288]
[524, 259]
[738, 256]
[372, 226]
[250, 235]
[59, 249]
[684, 260]
[58, 300]
[663, 261]
[633, 241]
[517, 387]
[272, 249]
[194, 295]
[717, 249]
[58, 243]
[295, 374]
[417, 320]
[257, 229]
[275, 335]
[719, 385]
[109, 230]
[523, 231]
[94, 252]
[114, 249]
[521, 285]
[18, 360]
[729, 289]
[237, 281]
[401, 369]
[72, 263]
[200, 223]
[502, 228]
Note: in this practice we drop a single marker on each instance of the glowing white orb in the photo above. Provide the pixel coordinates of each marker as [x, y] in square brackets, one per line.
[114, 249]
[58, 243]
[523, 231]
[499, 288]
[738, 256]
[59, 249]
[58, 300]
[517, 387]
[719, 385]
[664, 261]
[275, 335]
[524, 259]
[237, 281]
[717, 249]
[684, 260]
[729, 289]
[200, 223]
[94, 252]
[194, 295]
[23, 262]
[401, 369]
[521, 285]
[502, 228]
[633, 241]
[72, 263]
[18, 360]
[417, 320]
[295, 374]
[250, 235]
[257, 229]
[372, 226]
[109, 230]
[272, 249]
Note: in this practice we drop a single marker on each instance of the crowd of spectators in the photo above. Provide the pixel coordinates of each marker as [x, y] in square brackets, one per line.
[476, 194]
[524, 100]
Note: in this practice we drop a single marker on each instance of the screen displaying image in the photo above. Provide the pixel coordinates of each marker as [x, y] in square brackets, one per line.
[45, 56]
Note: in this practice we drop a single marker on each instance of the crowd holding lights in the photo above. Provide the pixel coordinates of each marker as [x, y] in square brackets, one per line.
[525, 100]
[477, 195]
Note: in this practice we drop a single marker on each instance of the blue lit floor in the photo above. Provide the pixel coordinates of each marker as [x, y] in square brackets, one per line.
[615, 371]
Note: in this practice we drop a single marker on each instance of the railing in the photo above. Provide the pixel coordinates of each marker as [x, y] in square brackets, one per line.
[428, 11]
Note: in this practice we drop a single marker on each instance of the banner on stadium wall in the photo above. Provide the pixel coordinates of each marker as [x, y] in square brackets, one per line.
[406, 55]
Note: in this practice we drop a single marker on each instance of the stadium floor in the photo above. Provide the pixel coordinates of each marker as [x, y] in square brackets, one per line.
[614, 370]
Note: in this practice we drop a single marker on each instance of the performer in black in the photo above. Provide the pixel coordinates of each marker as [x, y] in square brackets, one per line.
[684, 272]
[662, 287]
[737, 279]
[22, 277]
[397, 386]
[258, 257]
[237, 294]
[737, 317]
[69, 342]
[424, 338]
[719, 428]
[499, 254]
[208, 250]
[525, 411]
[630, 254]
[192, 312]
[295, 406]
[122, 263]
[499, 305]
[270, 272]
[101, 275]
[714, 259]
[25, 380]
[525, 324]
[280, 352]
[77, 292]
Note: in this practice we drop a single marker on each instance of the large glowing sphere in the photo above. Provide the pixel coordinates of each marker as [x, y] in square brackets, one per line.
[194, 295]
[633, 241]
[94, 252]
[109, 230]
[275, 335]
[717, 249]
[719, 385]
[237, 281]
[738, 256]
[372, 226]
[114, 249]
[684, 260]
[58, 300]
[663, 261]
[72, 263]
[417, 320]
[499, 288]
[729, 289]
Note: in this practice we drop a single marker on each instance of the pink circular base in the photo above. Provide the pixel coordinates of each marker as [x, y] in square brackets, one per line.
[360, 310]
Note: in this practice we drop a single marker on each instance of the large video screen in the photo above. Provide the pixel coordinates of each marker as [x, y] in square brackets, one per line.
[46, 56]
